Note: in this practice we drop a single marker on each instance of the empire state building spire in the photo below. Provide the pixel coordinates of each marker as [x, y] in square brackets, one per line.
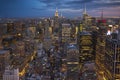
[56, 13]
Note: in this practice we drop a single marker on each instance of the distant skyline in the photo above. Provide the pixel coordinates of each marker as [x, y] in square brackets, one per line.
[68, 8]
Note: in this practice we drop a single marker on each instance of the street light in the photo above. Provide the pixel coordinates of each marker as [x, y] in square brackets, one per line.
[19, 34]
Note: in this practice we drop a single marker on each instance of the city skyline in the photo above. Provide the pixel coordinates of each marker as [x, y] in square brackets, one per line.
[68, 8]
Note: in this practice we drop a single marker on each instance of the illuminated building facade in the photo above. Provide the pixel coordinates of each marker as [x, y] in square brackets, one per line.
[47, 25]
[100, 54]
[56, 13]
[4, 60]
[72, 61]
[66, 32]
[112, 59]
[86, 19]
[11, 74]
[3, 29]
[56, 23]
[72, 53]
[20, 30]
[85, 47]
[20, 48]
[10, 28]
[31, 31]
[100, 48]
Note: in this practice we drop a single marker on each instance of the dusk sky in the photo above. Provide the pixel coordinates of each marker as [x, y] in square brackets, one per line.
[69, 8]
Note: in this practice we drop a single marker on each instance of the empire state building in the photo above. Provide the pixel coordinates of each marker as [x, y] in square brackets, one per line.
[56, 13]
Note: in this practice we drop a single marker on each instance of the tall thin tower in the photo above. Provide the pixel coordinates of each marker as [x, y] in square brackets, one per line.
[85, 16]
[84, 11]
[102, 14]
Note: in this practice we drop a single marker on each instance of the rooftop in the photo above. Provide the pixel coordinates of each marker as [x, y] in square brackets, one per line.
[72, 46]
[84, 33]
[3, 51]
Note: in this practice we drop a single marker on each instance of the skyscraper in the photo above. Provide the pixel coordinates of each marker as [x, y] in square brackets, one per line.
[86, 18]
[11, 74]
[56, 23]
[66, 30]
[56, 13]
[85, 47]
[112, 58]
[4, 60]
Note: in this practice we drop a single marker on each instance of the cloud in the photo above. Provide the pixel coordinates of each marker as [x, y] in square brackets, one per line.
[79, 2]
[51, 3]
[106, 1]
[47, 7]
[111, 11]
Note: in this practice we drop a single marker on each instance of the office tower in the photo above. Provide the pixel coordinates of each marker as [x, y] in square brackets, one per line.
[56, 23]
[72, 61]
[86, 20]
[100, 54]
[31, 31]
[112, 58]
[100, 48]
[66, 32]
[4, 60]
[11, 74]
[20, 49]
[10, 28]
[85, 15]
[47, 36]
[72, 53]
[56, 13]
[3, 29]
[85, 47]
[46, 25]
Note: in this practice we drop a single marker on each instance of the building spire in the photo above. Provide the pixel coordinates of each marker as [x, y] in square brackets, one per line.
[102, 14]
[85, 11]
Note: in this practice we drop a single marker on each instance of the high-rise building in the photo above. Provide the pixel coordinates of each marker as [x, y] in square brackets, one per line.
[86, 18]
[11, 74]
[20, 48]
[85, 47]
[4, 60]
[10, 28]
[66, 32]
[3, 29]
[47, 36]
[31, 31]
[72, 54]
[100, 47]
[56, 23]
[72, 61]
[56, 13]
[112, 59]
[100, 54]
[47, 25]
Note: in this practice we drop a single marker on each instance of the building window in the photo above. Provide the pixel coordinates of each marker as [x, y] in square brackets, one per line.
[117, 71]
[0, 67]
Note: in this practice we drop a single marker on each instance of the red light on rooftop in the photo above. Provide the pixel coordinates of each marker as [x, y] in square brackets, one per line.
[101, 21]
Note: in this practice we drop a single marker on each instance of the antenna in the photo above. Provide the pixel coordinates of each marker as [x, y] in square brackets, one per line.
[102, 14]
[85, 11]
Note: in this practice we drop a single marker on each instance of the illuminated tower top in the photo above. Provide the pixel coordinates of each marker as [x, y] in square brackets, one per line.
[56, 13]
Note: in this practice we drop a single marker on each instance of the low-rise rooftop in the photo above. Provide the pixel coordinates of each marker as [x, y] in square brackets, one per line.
[3, 51]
